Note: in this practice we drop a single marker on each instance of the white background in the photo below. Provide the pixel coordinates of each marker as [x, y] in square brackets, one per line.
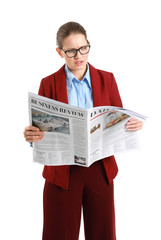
[125, 39]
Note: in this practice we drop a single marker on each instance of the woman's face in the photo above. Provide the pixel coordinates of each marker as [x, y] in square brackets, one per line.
[74, 41]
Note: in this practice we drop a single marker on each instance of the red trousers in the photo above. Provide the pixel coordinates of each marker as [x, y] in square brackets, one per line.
[88, 187]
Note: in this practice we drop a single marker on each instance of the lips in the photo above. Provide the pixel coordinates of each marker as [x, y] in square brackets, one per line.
[79, 63]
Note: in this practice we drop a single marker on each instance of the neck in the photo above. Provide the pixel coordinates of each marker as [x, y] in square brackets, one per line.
[79, 74]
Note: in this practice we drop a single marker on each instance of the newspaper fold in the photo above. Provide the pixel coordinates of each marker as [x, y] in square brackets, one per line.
[74, 135]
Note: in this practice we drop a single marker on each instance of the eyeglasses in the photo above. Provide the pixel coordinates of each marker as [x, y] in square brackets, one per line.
[73, 52]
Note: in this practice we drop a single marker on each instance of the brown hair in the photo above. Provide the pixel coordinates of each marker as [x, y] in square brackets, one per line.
[66, 29]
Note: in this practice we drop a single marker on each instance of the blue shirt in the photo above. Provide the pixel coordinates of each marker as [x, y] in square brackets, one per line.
[79, 92]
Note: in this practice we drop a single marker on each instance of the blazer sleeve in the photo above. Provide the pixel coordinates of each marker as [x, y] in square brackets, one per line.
[47, 87]
[41, 91]
[115, 98]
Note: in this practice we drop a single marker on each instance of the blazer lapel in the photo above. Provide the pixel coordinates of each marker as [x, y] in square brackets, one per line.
[99, 88]
[60, 85]
[96, 86]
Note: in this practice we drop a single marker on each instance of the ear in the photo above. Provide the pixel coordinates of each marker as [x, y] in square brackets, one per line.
[59, 51]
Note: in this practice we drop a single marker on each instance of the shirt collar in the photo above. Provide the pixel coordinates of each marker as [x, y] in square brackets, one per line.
[70, 76]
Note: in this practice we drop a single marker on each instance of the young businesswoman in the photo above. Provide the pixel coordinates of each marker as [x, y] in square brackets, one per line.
[69, 188]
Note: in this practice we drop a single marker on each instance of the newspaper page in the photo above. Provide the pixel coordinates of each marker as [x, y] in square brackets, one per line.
[65, 135]
[74, 135]
[107, 133]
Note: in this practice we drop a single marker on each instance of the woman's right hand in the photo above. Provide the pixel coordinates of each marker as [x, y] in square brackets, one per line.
[33, 134]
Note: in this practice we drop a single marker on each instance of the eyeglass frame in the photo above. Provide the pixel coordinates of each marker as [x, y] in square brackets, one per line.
[76, 51]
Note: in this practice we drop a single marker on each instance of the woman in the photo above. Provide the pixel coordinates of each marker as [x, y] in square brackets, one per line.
[68, 188]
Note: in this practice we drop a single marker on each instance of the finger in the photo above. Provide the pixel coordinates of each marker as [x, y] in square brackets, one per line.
[134, 129]
[137, 124]
[33, 138]
[133, 121]
[32, 133]
[32, 128]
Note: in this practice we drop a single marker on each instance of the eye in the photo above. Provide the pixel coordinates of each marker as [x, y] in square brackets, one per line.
[84, 48]
[71, 51]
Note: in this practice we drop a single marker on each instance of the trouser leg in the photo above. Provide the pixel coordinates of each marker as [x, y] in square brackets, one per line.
[62, 209]
[98, 205]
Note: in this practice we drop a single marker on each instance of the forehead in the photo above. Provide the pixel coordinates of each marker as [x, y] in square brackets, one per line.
[75, 40]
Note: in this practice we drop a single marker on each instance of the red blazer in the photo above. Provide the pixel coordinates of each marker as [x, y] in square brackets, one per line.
[105, 93]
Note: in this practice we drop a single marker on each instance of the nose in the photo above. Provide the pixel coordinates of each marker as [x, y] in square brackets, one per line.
[77, 54]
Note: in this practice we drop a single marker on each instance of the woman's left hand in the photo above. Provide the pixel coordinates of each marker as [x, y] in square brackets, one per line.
[134, 125]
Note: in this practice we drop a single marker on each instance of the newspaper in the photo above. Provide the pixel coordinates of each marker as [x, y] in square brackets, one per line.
[78, 136]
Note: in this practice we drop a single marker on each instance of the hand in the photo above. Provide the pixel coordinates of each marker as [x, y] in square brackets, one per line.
[134, 125]
[33, 134]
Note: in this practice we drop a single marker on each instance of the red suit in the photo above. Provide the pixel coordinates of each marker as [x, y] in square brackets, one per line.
[105, 93]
